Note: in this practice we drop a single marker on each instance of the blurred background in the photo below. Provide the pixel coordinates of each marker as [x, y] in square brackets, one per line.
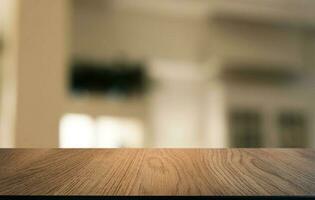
[147, 73]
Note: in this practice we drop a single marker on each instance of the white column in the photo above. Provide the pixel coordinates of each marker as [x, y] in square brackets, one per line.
[176, 104]
[8, 68]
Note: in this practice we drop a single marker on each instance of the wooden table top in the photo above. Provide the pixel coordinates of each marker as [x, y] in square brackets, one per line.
[157, 171]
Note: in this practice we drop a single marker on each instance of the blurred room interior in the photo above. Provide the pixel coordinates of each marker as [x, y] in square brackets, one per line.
[147, 73]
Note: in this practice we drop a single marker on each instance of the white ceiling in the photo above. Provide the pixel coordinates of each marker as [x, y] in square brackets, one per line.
[175, 8]
[291, 11]
[294, 12]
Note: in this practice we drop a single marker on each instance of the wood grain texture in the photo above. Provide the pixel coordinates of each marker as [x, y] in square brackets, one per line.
[157, 171]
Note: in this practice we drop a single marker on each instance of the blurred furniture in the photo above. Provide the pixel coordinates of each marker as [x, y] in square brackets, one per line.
[123, 79]
[157, 172]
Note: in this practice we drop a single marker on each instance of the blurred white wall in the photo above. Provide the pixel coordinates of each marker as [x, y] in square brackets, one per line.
[40, 39]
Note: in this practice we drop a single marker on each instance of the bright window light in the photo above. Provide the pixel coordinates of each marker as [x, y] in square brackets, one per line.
[76, 131]
[118, 132]
[81, 131]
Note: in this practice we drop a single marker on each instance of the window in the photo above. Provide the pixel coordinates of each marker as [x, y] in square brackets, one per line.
[117, 132]
[82, 131]
[76, 131]
[245, 129]
[292, 129]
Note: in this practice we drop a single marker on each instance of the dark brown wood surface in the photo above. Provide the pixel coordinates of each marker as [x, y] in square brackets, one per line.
[157, 171]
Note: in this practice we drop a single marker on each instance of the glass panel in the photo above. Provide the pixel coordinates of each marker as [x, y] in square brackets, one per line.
[292, 129]
[245, 129]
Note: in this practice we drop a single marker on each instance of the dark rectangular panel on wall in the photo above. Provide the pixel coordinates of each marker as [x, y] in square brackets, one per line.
[89, 77]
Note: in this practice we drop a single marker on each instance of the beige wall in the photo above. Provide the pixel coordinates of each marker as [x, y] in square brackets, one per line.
[257, 44]
[41, 71]
[101, 32]
[36, 73]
